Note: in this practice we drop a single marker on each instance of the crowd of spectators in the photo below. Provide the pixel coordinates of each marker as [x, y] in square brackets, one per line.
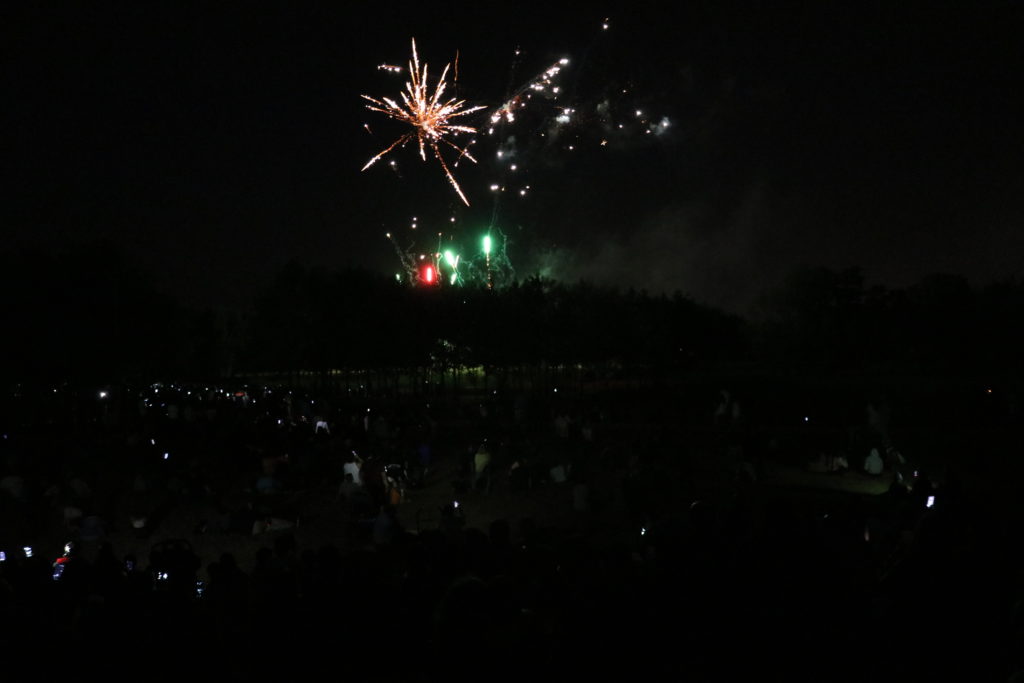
[683, 564]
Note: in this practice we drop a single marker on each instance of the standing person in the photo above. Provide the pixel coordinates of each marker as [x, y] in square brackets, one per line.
[354, 466]
[482, 467]
[873, 464]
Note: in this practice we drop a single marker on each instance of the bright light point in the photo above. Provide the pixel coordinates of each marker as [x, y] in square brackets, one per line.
[452, 219]
[452, 279]
[152, 442]
[500, 154]
[522, 193]
[563, 61]
[513, 167]
[555, 89]
[556, 390]
[604, 26]
[103, 394]
[450, 258]
[166, 455]
[494, 188]
[487, 244]
[620, 125]
[604, 143]
[639, 113]
[806, 419]
[398, 278]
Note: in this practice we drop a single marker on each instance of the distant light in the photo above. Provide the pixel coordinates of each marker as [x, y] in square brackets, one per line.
[563, 61]
[103, 394]
[806, 419]
[494, 188]
[152, 442]
[487, 244]
[166, 455]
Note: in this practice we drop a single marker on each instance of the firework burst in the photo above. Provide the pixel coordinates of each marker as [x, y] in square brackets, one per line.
[430, 117]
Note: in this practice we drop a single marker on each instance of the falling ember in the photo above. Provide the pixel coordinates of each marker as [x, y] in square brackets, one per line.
[428, 115]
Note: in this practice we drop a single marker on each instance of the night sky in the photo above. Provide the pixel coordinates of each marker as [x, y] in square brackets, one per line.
[213, 143]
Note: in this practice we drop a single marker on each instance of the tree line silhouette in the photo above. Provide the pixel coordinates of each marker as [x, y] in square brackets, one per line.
[86, 314]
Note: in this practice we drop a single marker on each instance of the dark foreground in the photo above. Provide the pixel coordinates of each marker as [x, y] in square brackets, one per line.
[635, 535]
